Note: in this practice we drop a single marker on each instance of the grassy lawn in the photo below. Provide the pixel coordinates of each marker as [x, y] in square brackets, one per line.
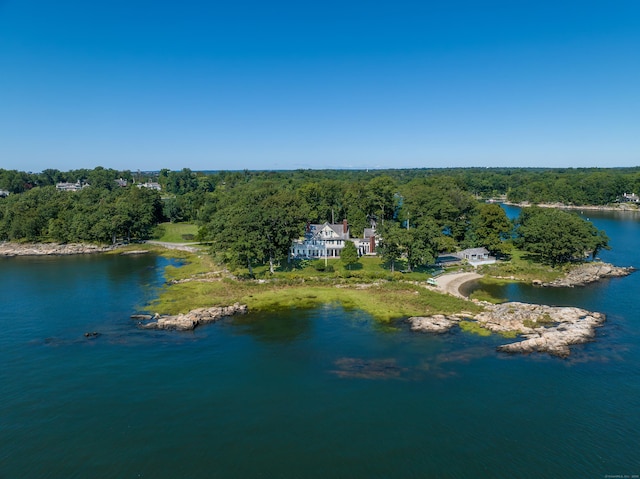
[383, 301]
[175, 232]
[521, 267]
[369, 268]
[370, 288]
[369, 285]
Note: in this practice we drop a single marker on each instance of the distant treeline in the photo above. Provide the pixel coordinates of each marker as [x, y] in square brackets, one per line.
[252, 216]
[571, 186]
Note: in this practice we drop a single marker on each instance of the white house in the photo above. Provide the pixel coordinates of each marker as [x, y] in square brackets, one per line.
[77, 186]
[327, 240]
[367, 244]
[153, 185]
[629, 198]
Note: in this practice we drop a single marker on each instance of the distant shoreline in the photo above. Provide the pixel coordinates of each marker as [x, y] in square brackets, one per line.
[619, 207]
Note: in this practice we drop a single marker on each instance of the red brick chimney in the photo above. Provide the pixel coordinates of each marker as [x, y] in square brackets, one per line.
[345, 227]
[372, 244]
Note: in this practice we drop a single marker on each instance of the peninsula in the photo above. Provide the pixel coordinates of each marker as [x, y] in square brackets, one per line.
[378, 241]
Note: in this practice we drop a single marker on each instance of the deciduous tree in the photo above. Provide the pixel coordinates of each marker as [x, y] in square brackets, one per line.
[558, 236]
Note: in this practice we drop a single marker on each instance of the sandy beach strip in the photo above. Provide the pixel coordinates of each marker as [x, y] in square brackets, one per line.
[450, 283]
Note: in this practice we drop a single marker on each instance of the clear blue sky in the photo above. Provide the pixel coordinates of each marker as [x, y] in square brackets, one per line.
[240, 84]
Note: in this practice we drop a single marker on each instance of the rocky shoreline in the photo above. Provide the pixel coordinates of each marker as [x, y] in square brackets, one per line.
[545, 329]
[192, 319]
[50, 249]
[588, 273]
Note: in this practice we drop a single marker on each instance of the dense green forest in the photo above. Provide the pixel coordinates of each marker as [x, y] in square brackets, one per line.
[571, 186]
[252, 216]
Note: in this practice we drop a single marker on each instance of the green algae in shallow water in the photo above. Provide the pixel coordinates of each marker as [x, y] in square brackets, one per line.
[482, 295]
[474, 328]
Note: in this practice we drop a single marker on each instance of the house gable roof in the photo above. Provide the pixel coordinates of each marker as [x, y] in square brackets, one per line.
[327, 230]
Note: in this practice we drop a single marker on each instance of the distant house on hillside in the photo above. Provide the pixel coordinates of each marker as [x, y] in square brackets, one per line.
[121, 182]
[327, 240]
[77, 186]
[151, 185]
[629, 198]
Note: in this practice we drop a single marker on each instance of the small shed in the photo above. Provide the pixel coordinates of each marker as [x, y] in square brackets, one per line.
[476, 256]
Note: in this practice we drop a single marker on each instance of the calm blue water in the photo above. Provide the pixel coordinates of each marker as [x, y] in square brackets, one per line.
[312, 394]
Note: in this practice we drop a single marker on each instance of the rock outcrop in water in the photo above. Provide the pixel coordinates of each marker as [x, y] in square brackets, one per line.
[438, 323]
[190, 320]
[545, 329]
[589, 273]
[52, 249]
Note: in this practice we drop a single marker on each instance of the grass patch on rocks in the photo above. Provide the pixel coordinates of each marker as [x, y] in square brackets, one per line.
[541, 321]
[474, 327]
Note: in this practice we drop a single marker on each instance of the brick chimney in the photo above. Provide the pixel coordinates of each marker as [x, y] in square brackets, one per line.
[372, 244]
[345, 227]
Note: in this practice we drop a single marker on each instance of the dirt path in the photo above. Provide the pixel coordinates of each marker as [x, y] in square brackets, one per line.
[191, 247]
[450, 283]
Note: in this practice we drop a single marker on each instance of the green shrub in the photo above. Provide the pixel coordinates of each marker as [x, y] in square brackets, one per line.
[319, 265]
[158, 232]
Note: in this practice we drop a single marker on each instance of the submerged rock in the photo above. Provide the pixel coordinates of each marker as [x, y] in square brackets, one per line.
[368, 368]
[589, 273]
[195, 317]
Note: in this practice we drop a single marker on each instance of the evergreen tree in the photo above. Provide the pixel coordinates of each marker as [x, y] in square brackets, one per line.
[349, 254]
